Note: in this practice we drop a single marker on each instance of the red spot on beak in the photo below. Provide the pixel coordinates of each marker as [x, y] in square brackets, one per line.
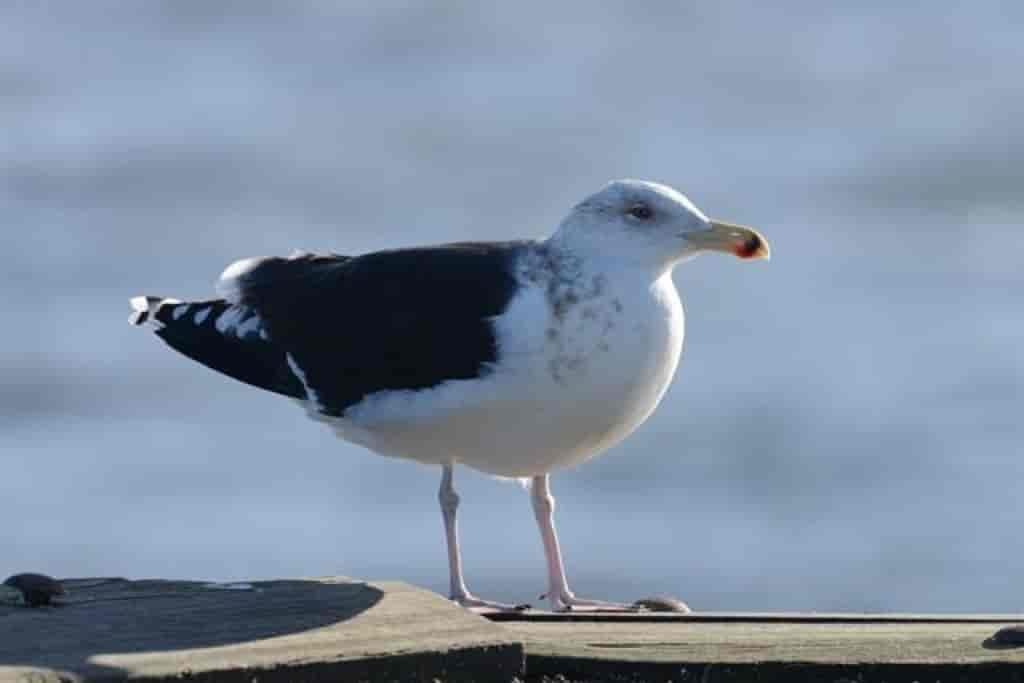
[749, 248]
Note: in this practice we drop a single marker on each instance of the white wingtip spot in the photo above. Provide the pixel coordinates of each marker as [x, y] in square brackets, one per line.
[144, 309]
[250, 326]
[202, 314]
[229, 319]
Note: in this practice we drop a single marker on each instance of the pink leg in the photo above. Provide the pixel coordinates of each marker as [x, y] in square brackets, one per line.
[449, 500]
[562, 599]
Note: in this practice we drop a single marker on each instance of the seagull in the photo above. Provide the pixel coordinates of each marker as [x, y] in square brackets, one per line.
[513, 358]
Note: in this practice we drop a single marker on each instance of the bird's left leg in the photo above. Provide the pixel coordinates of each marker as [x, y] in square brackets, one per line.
[562, 599]
[449, 500]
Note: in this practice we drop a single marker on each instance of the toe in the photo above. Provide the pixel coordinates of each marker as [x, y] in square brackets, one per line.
[569, 602]
[472, 602]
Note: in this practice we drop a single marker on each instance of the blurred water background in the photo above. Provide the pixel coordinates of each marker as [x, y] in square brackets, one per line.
[844, 433]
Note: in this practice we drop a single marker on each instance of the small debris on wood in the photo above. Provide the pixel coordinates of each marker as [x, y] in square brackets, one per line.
[37, 590]
[662, 603]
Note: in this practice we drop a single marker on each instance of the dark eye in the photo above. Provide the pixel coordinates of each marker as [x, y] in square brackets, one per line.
[641, 212]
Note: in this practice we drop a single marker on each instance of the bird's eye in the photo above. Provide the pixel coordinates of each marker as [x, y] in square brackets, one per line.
[641, 212]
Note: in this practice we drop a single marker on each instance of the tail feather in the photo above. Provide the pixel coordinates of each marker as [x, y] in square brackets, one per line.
[225, 337]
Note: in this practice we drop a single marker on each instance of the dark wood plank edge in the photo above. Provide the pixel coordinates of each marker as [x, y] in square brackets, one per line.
[546, 667]
[502, 663]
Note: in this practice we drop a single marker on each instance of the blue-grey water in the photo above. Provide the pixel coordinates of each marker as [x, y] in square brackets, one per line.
[845, 430]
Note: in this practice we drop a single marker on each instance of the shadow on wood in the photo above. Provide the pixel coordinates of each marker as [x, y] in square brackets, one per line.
[114, 629]
[106, 622]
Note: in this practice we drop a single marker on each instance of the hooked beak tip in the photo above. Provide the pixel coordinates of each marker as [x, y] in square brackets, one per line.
[754, 247]
[739, 240]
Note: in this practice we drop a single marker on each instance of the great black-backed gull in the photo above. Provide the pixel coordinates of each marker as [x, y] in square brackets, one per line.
[513, 358]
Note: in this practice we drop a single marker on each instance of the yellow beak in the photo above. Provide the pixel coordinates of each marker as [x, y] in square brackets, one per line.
[740, 240]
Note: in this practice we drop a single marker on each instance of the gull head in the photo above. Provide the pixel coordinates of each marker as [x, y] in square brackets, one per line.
[649, 225]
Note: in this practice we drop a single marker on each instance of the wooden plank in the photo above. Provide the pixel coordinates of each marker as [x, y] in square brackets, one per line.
[113, 629]
[538, 616]
[338, 629]
[734, 648]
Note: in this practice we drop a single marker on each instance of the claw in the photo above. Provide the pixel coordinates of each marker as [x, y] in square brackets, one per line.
[470, 601]
[567, 602]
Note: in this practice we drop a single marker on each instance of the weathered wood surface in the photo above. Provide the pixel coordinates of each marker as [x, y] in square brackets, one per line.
[317, 629]
[768, 647]
[338, 629]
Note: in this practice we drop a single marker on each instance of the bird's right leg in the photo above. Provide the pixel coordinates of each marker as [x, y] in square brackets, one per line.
[458, 592]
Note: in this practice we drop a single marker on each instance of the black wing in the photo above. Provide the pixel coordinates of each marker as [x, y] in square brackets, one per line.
[225, 337]
[402, 319]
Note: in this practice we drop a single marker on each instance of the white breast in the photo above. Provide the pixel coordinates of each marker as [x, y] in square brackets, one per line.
[574, 377]
[597, 375]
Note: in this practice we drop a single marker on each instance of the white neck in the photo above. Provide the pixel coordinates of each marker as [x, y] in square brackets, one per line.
[600, 257]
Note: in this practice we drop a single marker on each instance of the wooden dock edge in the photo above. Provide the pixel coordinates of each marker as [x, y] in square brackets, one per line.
[337, 629]
[311, 629]
[462, 665]
[738, 648]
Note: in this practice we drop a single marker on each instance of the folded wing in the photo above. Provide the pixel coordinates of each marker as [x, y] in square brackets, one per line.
[335, 329]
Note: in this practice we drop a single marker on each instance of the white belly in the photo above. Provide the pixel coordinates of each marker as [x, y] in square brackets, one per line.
[561, 393]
